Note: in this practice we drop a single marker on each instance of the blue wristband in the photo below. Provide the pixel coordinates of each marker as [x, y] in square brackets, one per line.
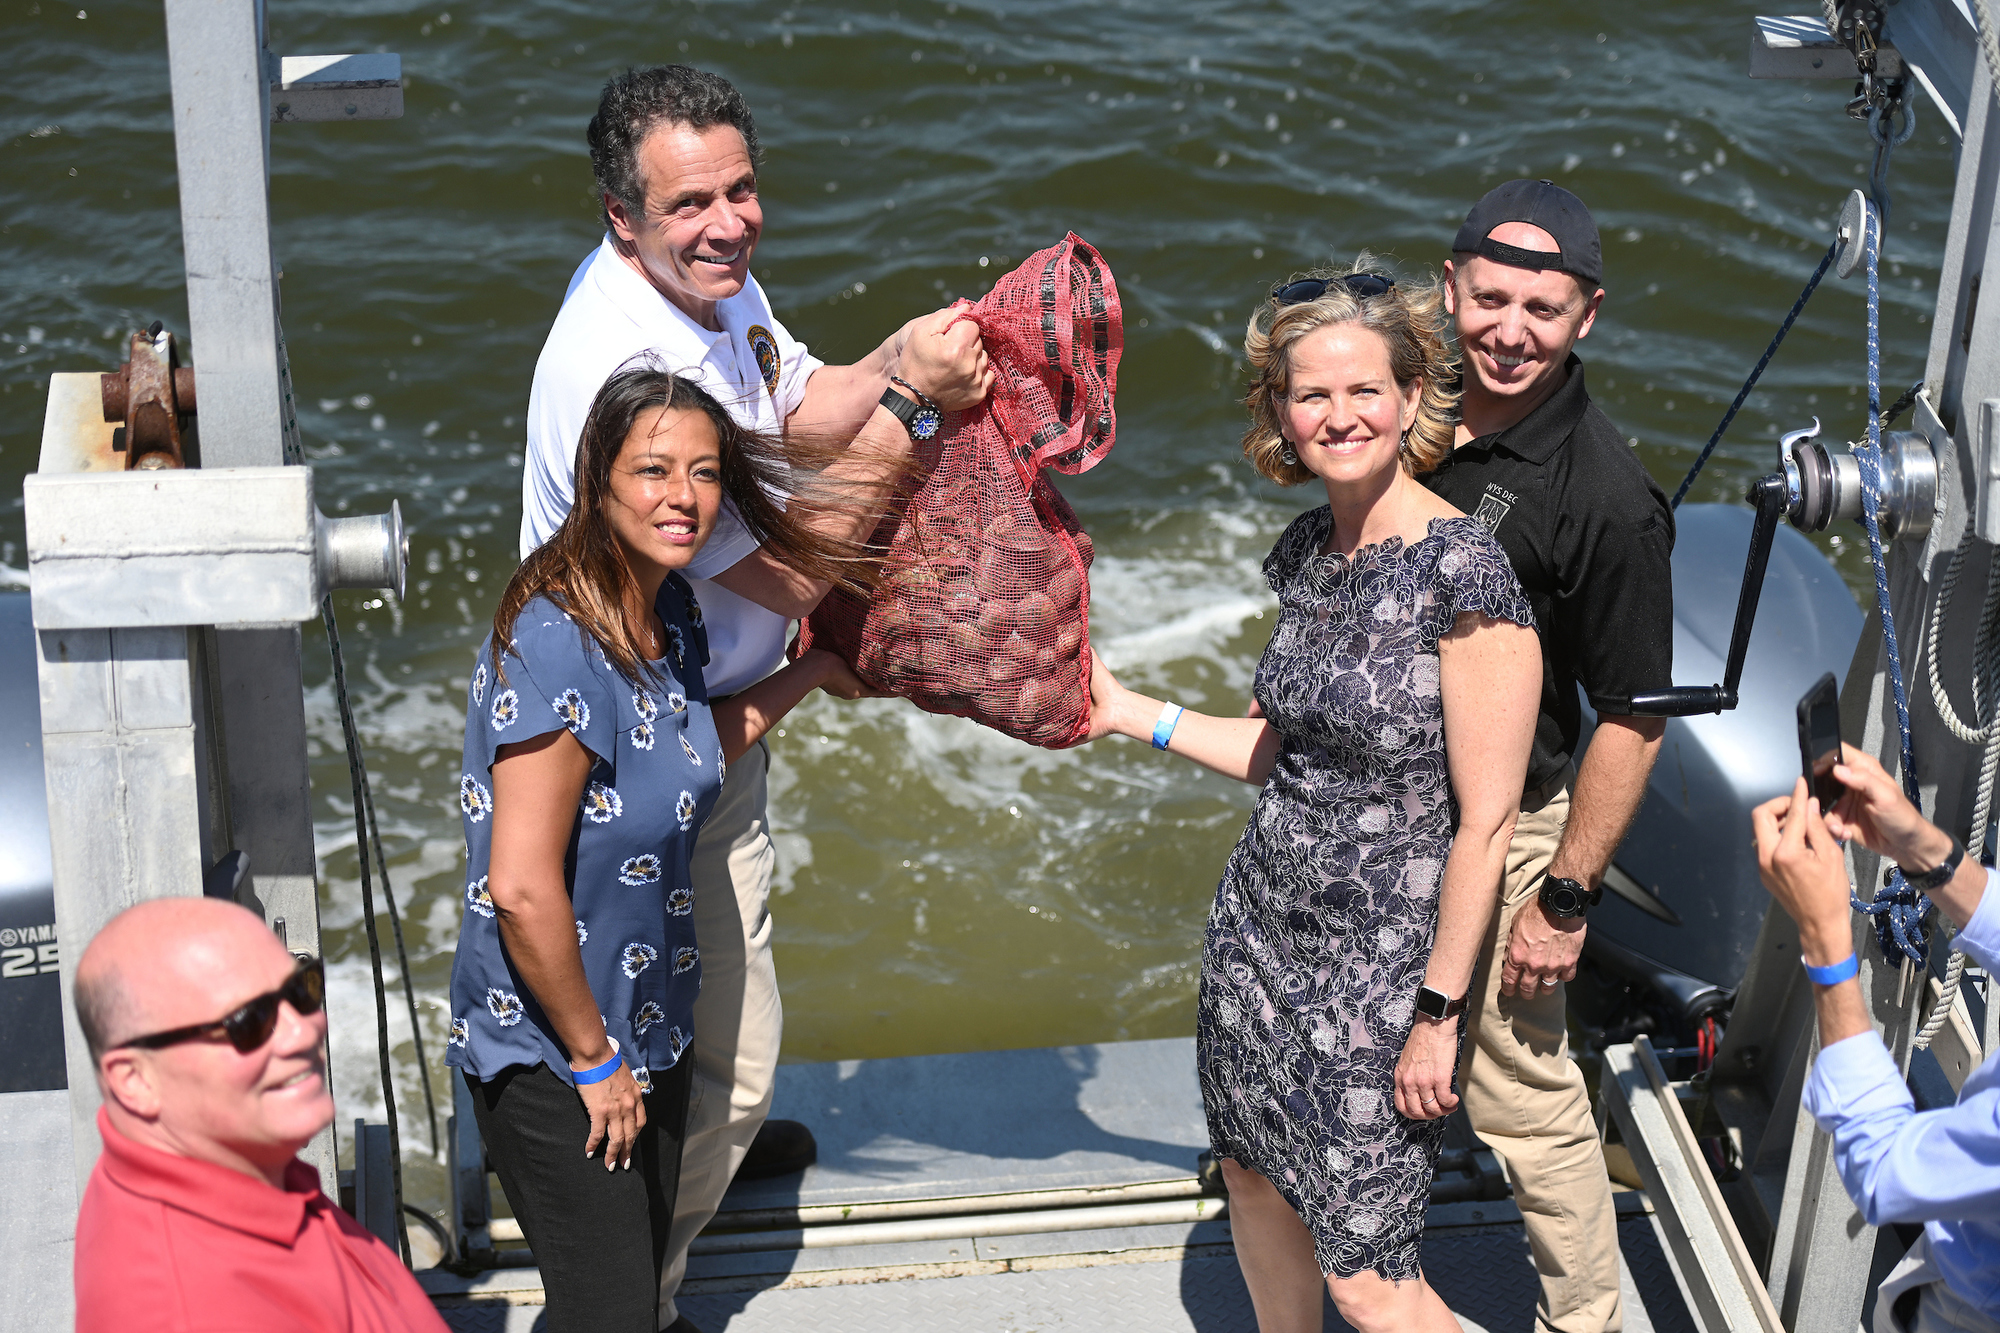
[585, 1077]
[1833, 973]
[1163, 730]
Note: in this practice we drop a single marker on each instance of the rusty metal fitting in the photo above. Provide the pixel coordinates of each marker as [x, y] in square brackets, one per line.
[153, 397]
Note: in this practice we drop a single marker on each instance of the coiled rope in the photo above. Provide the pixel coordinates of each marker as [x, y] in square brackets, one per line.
[1986, 704]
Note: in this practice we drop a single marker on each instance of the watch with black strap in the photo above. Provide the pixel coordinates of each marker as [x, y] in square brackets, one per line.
[919, 415]
[1930, 881]
[1435, 1004]
[1566, 898]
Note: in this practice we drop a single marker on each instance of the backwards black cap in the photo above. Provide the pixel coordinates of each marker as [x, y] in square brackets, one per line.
[1542, 204]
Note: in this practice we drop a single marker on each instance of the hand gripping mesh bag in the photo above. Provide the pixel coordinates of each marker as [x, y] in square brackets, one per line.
[983, 610]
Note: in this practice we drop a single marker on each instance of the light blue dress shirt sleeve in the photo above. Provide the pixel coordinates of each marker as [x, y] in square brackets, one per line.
[1899, 1164]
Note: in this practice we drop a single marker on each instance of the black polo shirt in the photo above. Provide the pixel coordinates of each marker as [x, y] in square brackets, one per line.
[1591, 538]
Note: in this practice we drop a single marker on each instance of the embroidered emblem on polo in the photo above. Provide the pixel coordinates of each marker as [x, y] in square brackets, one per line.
[765, 348]
[1491, 510]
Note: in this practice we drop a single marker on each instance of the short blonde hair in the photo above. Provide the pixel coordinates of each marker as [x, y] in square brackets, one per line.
[1412, 322]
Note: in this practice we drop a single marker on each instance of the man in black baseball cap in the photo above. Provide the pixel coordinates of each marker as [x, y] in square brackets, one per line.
[1591, 538]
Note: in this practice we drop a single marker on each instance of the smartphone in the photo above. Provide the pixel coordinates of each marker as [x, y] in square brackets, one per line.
[1819, 740]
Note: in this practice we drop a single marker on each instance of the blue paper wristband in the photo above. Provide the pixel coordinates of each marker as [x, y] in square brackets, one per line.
[1163, 730]
[584, 1078]
[1833, 973]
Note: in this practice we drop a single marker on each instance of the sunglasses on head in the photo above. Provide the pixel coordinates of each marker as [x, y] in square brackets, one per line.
[250, 1026]
[1363, 285]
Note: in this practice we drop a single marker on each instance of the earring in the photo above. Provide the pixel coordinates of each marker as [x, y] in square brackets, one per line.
[1289, 455]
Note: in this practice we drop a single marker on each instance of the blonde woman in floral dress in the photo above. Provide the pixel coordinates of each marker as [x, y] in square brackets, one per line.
[1397, 702]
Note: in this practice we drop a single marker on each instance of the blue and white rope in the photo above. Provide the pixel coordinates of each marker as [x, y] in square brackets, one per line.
[1899, 910]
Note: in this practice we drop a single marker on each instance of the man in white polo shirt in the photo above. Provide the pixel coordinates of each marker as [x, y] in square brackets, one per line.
[675, 155]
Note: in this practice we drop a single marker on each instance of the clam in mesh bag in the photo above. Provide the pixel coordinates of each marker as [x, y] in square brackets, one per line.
[984, 607]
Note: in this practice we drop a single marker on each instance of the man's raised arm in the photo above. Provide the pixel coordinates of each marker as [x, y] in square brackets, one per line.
[940, 355]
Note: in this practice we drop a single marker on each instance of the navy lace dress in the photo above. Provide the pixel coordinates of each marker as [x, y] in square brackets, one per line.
[1323, 924]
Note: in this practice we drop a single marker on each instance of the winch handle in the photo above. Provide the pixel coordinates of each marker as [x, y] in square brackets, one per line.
[1769, 495]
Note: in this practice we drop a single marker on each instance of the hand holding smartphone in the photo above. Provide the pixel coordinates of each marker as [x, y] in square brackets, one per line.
[1819, 740]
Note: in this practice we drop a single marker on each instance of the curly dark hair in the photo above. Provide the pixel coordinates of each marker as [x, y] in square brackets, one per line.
[639, 101]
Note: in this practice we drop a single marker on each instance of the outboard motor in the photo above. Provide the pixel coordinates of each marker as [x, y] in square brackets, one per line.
[31, 1030]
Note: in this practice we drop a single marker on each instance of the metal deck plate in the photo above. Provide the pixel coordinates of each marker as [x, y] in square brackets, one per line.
[937, 1126]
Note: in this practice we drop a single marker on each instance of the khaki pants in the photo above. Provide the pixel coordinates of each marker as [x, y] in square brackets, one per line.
[737, 1018]
[1528, 1101]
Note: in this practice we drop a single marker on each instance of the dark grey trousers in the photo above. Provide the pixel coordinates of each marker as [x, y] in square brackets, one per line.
[599, 1237]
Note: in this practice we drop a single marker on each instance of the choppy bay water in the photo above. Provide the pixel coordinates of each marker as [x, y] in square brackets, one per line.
[940, 888]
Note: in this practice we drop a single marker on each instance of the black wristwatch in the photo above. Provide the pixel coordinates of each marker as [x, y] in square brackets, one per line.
[1566, 898]
[920, 417]
[1435, 1004]
[1930, 881]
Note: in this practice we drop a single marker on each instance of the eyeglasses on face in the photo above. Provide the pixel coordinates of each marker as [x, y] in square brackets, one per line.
[250, 1026]
[1363, 285]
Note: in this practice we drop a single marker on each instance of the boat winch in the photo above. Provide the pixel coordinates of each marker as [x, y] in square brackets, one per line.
[1822, 485]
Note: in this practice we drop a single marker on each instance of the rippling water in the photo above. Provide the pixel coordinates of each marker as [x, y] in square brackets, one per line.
[940, 888]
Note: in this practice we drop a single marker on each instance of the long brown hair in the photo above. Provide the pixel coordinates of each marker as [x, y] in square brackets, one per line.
[582, 568]
[1410, 319]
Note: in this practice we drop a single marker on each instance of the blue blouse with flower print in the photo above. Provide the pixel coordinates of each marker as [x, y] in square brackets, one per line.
[656, 766]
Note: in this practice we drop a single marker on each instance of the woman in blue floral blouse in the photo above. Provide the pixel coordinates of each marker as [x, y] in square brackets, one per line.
[592, 755]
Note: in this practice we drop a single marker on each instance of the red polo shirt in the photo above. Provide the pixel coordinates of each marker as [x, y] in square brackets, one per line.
[178, 1245]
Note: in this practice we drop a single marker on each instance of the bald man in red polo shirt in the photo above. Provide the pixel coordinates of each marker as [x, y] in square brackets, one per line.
[210, 1043]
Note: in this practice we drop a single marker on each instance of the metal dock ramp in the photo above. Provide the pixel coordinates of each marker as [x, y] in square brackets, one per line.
[1036, 1189]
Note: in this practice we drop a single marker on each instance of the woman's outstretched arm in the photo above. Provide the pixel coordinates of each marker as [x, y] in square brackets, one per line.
[1243, 748]
[1490, 680]
[537, 788]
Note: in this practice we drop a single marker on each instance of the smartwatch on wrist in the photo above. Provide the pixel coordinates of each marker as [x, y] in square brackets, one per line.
[1930, 881]
[1435, 1004]
[1567, 898]
[920, 416]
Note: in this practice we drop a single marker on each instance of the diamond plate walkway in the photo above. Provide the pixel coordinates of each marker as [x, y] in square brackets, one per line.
[916, 1156]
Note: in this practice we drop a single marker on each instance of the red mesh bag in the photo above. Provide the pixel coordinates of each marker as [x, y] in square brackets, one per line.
[983, 610]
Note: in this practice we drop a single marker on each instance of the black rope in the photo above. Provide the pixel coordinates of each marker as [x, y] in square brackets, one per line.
[1902, 405]
[402, 954]
[1825, 262]
[359, 778]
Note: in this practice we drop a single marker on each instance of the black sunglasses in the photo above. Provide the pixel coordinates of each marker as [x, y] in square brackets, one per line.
[1363, 285]
[251, 1026]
